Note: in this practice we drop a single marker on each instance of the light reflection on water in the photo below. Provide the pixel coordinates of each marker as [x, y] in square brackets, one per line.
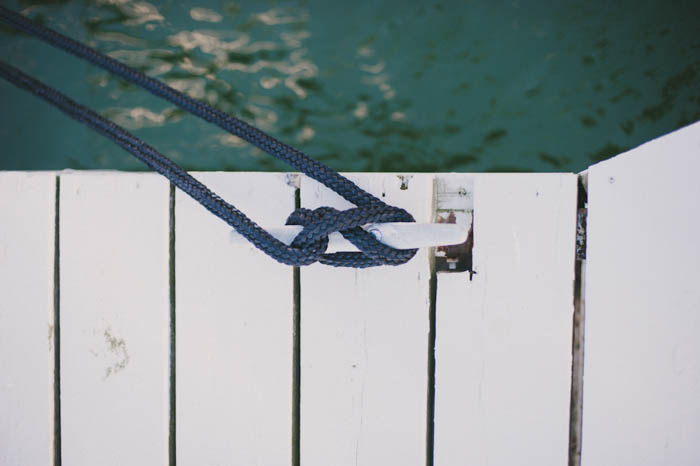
[381, 86]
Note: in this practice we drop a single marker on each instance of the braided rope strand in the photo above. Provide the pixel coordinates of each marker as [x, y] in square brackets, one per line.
[293, 157]
[309, 246]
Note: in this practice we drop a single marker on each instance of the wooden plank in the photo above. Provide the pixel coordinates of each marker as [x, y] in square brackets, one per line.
[503, 339]
[364, 344]
[27, 209]
[234, 309]
[114, 318]
[642, 353]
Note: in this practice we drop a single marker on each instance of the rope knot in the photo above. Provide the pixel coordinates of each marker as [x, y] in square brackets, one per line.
[320, 222]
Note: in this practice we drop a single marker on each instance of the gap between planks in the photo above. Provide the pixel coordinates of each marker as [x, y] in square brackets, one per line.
[577, 342]
[296, 349]
[432, 336]
[57, 328]
[172, 425]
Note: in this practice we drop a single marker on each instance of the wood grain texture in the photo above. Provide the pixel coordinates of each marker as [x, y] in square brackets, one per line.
[503, 340]
[27, 208]
[364, 344]
[641, 399]
[234, 308]
[114, 318]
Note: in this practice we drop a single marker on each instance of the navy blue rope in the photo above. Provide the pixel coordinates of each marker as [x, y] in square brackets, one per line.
[309, 246]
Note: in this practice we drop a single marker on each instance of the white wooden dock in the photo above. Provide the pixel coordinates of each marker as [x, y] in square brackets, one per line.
[133, 332]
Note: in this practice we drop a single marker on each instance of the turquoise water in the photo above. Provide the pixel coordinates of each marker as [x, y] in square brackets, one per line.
[363, 85]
